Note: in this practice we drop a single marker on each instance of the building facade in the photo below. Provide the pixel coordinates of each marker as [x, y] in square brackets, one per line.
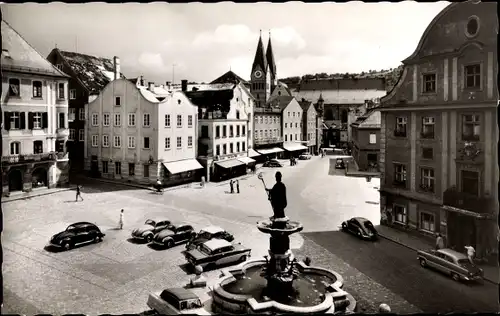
[34, 118]
[291, 128]
[439, 158]
[366, 140]
[268, 137]
[309, 126]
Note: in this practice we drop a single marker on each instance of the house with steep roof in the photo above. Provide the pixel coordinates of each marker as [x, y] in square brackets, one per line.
[309, 126]
[231, 77]
[34, 117]
[88, 76]
[366, 140]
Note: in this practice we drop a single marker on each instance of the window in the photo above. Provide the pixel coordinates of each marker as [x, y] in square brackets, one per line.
[473, 76]
[243, 146]
[286, 137]
[260, 133]
[146, 142]
[291, 137]
[224, 131]
[256, 134]
[167, 143]
[104, 166]
[224, 149]
[81, 135]
[105, 119]
[131, 119]
[14, 85]
[471, 127]
[400, 214]
[131, 142]
[146, 120]
[427, 222]
[60, 93]
[37, 89]
[62, 120]
[242, 130]
[167, 120]
[37, 120]
[400, 130]
[265, 133]
[118, 119]
[470, 182]
[72, 94]
[427, 153]
[81, 114]
[60, 67]
[179, 120]
[296, 136]
[429, 83]
[72, 134]
[427, 127]
[71, 115]
[237, 114]
[190, 141]
[95, 119]
[238, 147]
[231, 148]
[15, 148]
[217, 131]
[146, 171]
[190, 121]
[179, 142]
[231, 133]
[400, 174]
[95, 140]
[237, 131]
[265, 120]
[131, 169]
[118, 101]
[38, 147]
[296, 125]
[427, 179]
[105, 140]
[117, 141]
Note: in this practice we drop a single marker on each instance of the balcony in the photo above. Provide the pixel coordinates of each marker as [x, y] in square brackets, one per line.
[268, 140]
[267, 110]
[15, 159]
[467, 203]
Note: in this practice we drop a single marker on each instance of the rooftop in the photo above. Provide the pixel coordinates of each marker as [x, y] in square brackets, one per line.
[372, 119]
[340, 96]
[281, 101]
[214, 244]
[229, 77]
[343, 84]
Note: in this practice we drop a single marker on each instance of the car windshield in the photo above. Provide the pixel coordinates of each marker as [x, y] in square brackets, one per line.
[205, 249]
[465, 263]
[204, 234]
[150, 222]
[71, 227]
[194, 304]
[368, 225]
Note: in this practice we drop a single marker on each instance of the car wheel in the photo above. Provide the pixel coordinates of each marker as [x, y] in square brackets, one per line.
[149, 238]
[423, 263]
[169, 244]
[455, 276]
[67, 246]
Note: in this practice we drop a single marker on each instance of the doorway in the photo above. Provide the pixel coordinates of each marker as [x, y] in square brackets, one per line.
[15, 180]
[39, 178]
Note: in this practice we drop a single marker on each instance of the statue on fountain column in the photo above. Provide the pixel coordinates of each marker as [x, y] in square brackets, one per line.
[277, 196]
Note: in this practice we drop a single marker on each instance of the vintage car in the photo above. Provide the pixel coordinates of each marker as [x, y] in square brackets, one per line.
[174, 235]
[149, 229]
[450, 262]
[75, 234]
[207, 233]
[339, 164]
[305, 156]
[174, 301]
[360, 227]
[216, 252]
[273, 163]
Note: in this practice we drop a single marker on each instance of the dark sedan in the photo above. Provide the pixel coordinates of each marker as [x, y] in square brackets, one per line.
[75, 234]
[208, 233]
[272, 164]
[174, 235]
[360, 227]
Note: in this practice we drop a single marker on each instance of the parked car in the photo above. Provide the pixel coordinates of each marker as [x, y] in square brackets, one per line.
[174, 235]
[216, 252]
[75, 234]
[208, 233]
[149, 229]
[451, 262]
[339, 164]
[305, 156]
[174, 301]
[360, 227]
[273, 163]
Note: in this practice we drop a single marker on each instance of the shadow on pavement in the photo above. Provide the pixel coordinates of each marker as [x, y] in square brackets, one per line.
[91, 185]
[137, 241]
[53, 249]
[187, 268]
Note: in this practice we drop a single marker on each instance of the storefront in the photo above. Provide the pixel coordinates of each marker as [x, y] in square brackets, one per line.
[293, 150]
[229, 168]
[181, 171]
[269, 153]
[249, 162]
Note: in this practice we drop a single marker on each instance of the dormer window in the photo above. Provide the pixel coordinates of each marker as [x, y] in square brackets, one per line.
[59, 66]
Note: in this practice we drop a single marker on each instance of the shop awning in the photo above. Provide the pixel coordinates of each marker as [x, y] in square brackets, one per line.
[182, 166]
[246, 160]
[252, 153]
[294, 147]
[270, 150]
[230, 163]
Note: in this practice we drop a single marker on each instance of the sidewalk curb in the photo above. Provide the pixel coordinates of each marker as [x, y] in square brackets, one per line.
[35, 195]
[134, 185]
[409, 247]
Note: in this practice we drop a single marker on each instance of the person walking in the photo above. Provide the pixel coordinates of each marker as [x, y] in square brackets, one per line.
[231, 185]
[439, 242]
[120, 223]
[78, 192]
[238, 186]
[470, 253]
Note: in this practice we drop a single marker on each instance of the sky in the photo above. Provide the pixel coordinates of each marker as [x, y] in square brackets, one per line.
[201, 41]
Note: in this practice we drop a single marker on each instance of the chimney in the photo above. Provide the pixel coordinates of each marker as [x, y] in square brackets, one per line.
[151, 86]
[116, 64]
[184, 85]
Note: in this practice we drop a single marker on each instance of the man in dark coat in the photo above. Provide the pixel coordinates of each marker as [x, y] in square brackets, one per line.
[277, 195]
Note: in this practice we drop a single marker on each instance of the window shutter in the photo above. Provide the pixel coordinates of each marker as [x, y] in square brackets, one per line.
[6, 121]
[22, 124]
[45, 121]
[30, 120]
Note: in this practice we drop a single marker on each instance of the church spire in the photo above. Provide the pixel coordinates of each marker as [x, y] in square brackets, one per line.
[260, 58]
[270, 59]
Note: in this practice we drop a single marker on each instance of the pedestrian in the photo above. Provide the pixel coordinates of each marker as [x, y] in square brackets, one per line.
[120, 223]
[439, 242]
[78, 192]
[231, 185]
[470, 253]
[238, 186]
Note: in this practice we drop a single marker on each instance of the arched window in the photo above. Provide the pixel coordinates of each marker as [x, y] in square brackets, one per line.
[15, 148]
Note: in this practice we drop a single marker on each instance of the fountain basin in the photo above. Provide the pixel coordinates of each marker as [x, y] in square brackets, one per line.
[242, 290]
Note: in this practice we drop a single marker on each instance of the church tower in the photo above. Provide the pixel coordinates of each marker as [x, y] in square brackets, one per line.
[272, 64]
[260, 76]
